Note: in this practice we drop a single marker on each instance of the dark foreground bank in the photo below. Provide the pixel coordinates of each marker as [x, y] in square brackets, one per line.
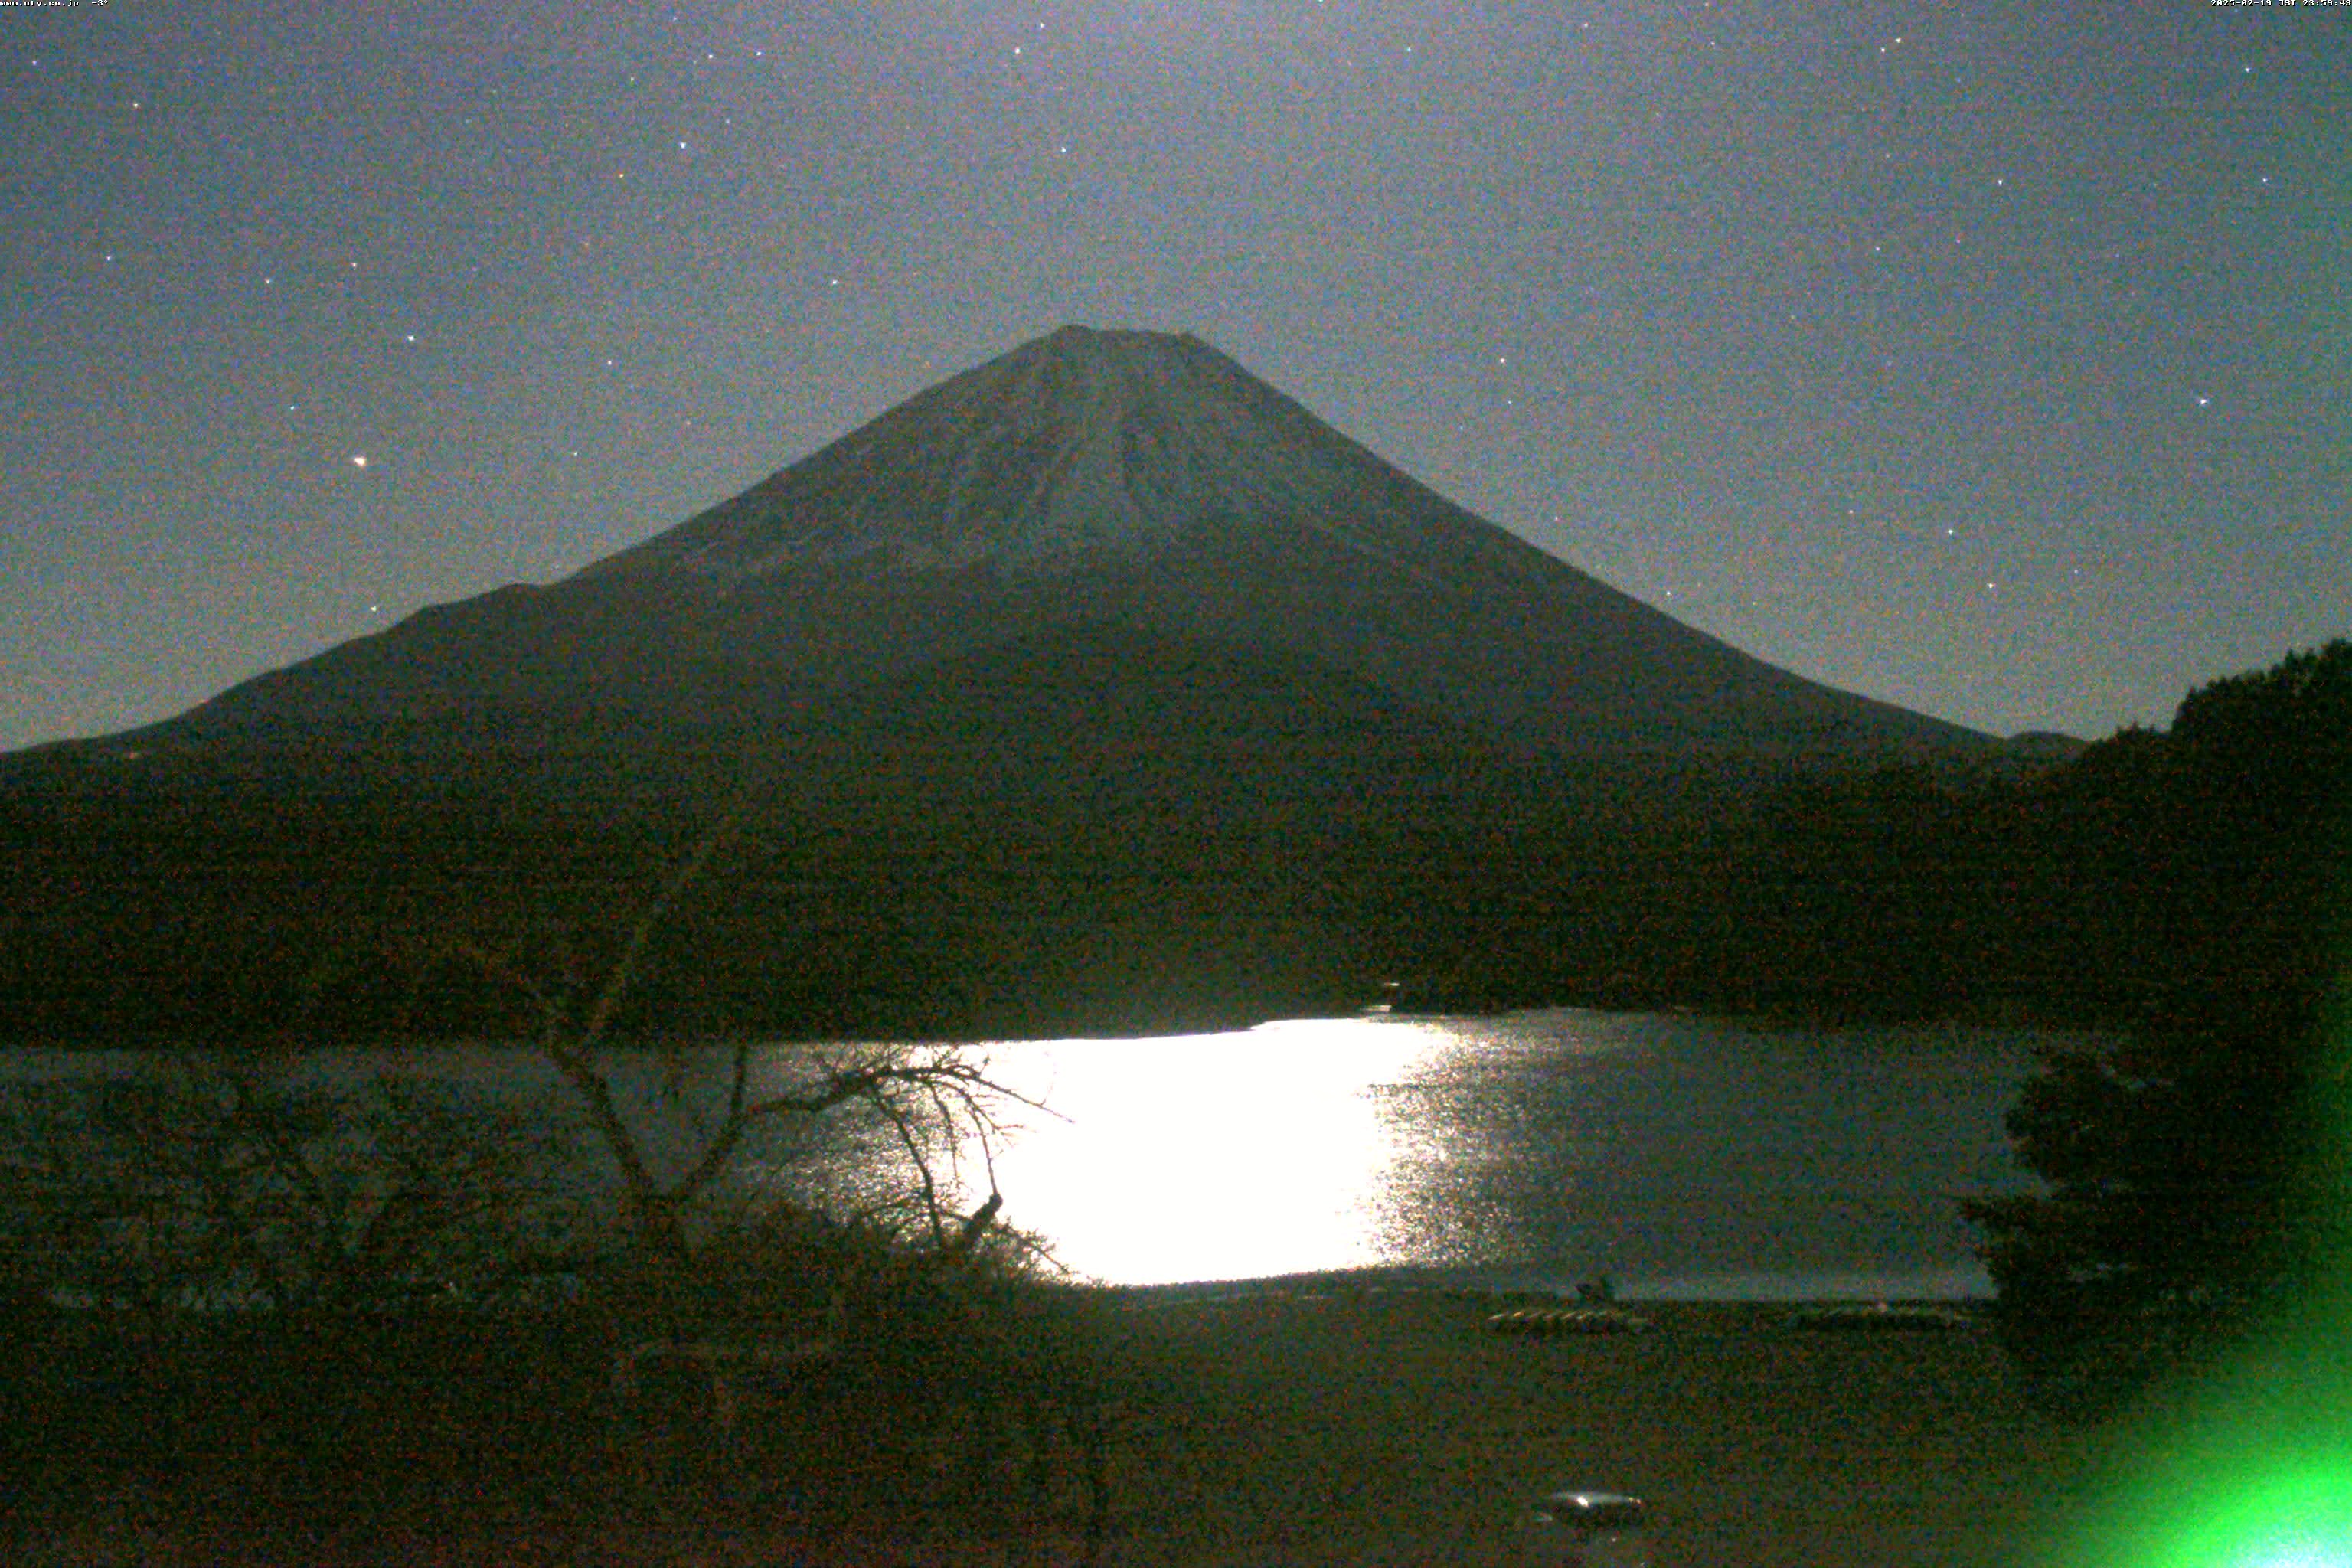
[1350, 1425]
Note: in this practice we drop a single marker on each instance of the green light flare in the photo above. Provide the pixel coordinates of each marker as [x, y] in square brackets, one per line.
[2251, 1467]
[2253, 1470]
[2301, 1519]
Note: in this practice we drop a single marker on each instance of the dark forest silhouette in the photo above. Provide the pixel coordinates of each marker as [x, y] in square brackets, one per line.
[2198, 1167]
[1042, 881]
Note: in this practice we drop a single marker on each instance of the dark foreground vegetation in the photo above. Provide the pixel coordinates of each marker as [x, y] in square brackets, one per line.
[411, 1323]
[2201, 1167]
[426, 1436]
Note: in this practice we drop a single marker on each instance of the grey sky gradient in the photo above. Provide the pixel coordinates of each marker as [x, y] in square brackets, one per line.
[1996, 361]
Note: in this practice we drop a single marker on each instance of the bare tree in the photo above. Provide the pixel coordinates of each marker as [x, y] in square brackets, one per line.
[189, 1184]
[934, 1100]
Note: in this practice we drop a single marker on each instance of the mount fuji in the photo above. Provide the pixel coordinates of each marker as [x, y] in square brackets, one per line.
[1094, 484]
[1101, 688]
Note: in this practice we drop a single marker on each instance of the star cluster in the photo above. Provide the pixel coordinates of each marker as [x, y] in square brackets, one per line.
[1990, 360]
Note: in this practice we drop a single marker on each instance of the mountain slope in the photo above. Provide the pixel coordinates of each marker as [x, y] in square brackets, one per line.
[1105, 478]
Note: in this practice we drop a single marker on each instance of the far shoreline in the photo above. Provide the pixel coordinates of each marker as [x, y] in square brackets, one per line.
[286, 1043]
[1526, 1285]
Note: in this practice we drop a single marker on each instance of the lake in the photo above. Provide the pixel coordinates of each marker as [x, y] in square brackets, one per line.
[1684, 1157]
[1681, 1156]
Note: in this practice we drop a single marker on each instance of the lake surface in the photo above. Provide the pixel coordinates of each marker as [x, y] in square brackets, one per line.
[1681, 1156]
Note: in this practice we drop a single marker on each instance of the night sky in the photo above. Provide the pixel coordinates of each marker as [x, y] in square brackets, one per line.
[1993, 360]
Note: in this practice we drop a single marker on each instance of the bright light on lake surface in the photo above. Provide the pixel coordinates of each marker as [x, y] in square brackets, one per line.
[1681, 1156]
[1212, 1156]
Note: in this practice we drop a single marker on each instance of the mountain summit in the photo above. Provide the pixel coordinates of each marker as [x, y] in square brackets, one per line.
[1081, 449]
[1089, 480]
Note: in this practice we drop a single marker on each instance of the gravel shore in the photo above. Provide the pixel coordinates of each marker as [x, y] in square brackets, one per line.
[1379, 1428]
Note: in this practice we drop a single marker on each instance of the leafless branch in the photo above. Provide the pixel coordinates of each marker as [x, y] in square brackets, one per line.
[954, 1094]
[624, 973]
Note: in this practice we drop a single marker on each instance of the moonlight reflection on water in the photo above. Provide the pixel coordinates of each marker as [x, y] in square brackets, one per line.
[1213, 1156]
[1681, 1156]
